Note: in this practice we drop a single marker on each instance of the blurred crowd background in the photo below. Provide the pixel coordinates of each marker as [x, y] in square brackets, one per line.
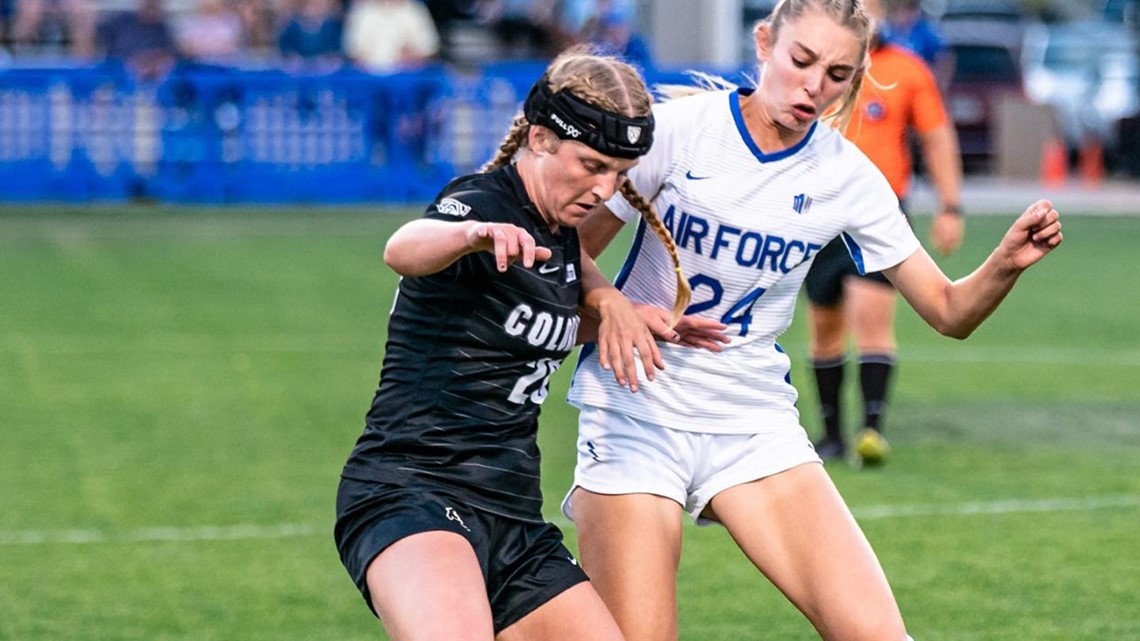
[132, 90]
[381, 36]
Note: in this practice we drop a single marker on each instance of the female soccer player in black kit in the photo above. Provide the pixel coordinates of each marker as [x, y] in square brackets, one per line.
[438, 511]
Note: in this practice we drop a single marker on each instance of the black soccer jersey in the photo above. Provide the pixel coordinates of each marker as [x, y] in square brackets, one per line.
[470, 351]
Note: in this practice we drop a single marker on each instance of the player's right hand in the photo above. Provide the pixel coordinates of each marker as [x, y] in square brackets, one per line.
[508, 243]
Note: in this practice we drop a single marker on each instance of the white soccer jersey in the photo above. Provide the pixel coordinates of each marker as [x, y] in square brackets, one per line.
[747, 226]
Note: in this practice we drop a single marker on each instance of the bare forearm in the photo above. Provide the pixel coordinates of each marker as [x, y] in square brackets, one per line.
[424, 247]
[597, 291]
[592, 281]
[973, 298]
[955, 308]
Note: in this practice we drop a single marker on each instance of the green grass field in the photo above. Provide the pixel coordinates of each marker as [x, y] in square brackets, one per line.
[179, 388]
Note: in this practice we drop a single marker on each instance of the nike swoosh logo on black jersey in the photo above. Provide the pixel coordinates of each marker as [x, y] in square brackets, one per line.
[547, 268]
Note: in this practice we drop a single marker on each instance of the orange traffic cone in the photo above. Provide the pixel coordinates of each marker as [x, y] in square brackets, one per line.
[1091, 162]
[1054, 163]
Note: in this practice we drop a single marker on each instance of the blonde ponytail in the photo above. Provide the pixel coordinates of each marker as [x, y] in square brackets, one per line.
[684, 292]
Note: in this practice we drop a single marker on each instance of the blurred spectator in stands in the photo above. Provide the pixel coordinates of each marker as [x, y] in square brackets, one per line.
[65, 23]
[7, 11]
[211, 34]
[908, 26]
[140, 39]
[445, 13]
[389, 35]
[524, 28]
[613, 31]
[447, 10]
[313, 34]
[258, 25]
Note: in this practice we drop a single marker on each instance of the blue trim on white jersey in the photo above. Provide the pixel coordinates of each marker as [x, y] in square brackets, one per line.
[855, 251]
[583, 354]
[631, 258]
[788, 375]
[734, 105]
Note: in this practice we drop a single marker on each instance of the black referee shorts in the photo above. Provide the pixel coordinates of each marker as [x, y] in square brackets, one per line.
[524, 564]
[832, 264]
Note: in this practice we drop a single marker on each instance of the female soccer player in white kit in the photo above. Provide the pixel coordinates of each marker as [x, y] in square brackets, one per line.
[752, 185]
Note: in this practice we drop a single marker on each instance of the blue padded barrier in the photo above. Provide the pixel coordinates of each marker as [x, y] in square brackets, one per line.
[207, 134]
[66, 134]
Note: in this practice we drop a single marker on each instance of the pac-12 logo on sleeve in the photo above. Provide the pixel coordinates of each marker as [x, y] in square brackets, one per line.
[452, 207]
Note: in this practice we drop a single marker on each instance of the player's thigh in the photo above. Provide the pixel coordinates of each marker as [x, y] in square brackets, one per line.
[630, 545]
[576, 614]
[797, 530]
[430, 586]
[871, 315]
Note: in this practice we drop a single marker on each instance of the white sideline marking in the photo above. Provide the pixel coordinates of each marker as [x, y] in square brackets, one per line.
[197, 344]
[995, 507]
[293, 530]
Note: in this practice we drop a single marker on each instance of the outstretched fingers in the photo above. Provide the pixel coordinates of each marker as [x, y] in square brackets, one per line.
[703, 333]
[506, 246]
[619, 352]
[625, 336]
[509, 244]
[657, 320]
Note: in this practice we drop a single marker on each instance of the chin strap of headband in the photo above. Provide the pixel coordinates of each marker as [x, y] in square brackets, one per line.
[572, 118]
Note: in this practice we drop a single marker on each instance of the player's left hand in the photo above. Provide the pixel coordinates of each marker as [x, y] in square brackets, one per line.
[1033, 235]
[946, 232]
[623, 339]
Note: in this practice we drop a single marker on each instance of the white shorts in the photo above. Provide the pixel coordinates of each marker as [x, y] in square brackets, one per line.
[619, 454]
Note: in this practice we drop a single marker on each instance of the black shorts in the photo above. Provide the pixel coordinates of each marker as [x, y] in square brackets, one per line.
[524, 564]
[832, 264]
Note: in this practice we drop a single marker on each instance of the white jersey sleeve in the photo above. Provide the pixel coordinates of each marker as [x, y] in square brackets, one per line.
[878, 235]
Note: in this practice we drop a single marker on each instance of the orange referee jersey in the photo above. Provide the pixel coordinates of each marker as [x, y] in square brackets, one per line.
[908, 97]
